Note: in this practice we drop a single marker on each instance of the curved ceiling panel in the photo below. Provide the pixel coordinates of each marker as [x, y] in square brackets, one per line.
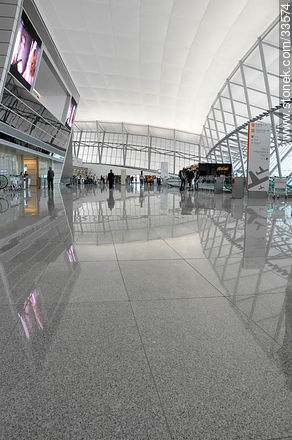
[157, 62]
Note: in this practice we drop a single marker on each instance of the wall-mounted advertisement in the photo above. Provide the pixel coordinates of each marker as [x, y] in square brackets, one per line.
[71, 113]
[26, 53]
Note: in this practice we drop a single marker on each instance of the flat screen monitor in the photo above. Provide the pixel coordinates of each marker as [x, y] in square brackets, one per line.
[71, 113]
[215, 169]
[26, 52]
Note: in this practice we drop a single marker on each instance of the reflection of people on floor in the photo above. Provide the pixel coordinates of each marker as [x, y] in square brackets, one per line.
[285, 351]
[197, 176]
[51, 204]
[141, 198]
[111, 200]
[186, 203]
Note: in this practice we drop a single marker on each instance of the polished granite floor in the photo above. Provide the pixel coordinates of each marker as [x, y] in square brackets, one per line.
[137, 315]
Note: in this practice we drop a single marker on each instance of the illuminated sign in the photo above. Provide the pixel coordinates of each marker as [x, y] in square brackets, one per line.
[222, 168]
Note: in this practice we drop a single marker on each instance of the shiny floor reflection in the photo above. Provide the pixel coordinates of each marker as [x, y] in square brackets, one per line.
[145, 315]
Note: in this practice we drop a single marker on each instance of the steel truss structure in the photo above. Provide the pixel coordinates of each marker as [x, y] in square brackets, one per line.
[250, 93]
[135, 146]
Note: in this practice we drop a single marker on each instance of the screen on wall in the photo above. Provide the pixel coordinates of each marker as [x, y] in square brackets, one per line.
[26, 52]
[71, 113]
[215, 169]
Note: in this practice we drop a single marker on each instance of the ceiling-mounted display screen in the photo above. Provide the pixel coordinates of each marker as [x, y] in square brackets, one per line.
[71, 113]
[215, 169]
[26, 52]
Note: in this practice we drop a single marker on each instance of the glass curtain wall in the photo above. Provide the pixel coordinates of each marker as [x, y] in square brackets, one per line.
[135, 146]
[250, 93]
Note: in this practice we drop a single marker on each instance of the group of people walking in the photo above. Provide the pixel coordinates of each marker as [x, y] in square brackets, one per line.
[187, 175]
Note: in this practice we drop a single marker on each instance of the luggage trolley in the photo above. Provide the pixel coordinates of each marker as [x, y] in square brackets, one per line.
[280, 187]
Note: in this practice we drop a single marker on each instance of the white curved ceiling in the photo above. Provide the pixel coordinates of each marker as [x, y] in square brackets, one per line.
[157, 62]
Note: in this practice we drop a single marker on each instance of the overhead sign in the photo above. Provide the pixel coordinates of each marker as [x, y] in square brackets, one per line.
[215, 169]
[222, 168]
[258, 156]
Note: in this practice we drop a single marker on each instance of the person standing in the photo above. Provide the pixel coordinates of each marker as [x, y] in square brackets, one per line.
[182, 175]
[111, 179]
[50, 178]
[190, 176]
[141, 178]
[197, 176]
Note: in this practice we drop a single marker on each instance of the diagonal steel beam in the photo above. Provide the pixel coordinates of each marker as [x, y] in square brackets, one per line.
[267, 85]
[236, 126]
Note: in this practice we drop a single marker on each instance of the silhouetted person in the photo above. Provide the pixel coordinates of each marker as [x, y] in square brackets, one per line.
[141, 178]
[51, 179]
[182, 176]
[111, 179]
[197, 176]
[190, 175]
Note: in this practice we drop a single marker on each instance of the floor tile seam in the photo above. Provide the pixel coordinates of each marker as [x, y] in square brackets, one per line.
[96, 261]
[195, 270]
[254, 322]
[153, 259]
[252, 294]
[146, 356]
[228, 299]
[101, 301]
[132, 260]
[106, 301]
[215, 258]
[227, 296]
[184, 298]
[275, 438]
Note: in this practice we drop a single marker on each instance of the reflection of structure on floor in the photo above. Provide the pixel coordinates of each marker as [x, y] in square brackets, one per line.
[159, 213]
[31, 313]
[39, 258]
[285, 352]
[262, 266]
[243, 259]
